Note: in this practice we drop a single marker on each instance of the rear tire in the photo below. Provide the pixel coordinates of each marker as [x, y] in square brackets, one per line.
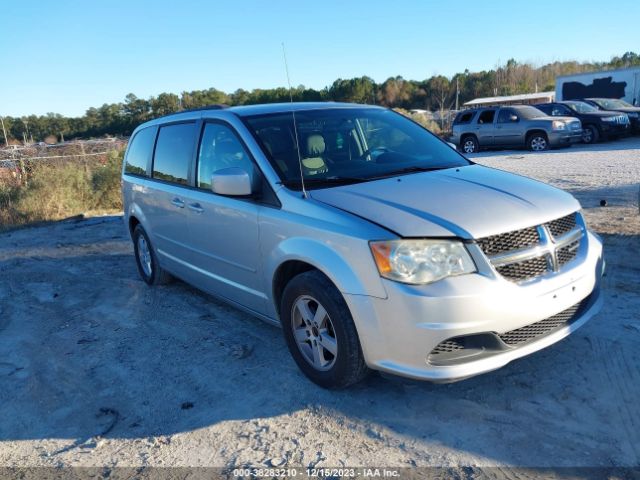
[320, 333]
[146, 261]
[469, 144]
[590, 134]
[537, 142]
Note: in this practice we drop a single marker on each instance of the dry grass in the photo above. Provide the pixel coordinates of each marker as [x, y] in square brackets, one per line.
[43, 189]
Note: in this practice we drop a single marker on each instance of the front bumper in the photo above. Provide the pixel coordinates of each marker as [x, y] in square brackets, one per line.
[613, 129]
[557, 139]
[398, 333]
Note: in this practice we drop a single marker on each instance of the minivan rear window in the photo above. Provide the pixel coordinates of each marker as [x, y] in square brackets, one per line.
[174, 150]
[140, 151]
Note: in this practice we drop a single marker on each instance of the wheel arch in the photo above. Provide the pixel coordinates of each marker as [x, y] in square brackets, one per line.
[135, 217]
[297, 255]
[464, 136]
[534, 131]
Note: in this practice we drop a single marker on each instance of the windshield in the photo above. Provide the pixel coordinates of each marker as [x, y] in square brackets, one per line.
[348, 145]
[526, 111]
[612, 103]
[581, 107]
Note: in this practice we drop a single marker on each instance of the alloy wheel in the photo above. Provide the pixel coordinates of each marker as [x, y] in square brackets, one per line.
[314, 333]
[538, 144]
[469, 146]
[144, 255]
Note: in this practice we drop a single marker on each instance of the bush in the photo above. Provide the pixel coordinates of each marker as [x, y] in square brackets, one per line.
[422, 119]
[59, 188]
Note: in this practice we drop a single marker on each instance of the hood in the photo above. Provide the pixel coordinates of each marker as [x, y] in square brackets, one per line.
[600, 113]
[467, 202]
[624, 110]
[549, 118]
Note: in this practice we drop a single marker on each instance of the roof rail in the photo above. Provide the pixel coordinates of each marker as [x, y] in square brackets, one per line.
[216, 106]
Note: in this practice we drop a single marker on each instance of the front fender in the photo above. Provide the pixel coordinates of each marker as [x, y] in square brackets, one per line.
[357, 276]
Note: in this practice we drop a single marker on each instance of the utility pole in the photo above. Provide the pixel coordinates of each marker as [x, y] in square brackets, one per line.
[26, 137]
[4, 131]
[457, 92]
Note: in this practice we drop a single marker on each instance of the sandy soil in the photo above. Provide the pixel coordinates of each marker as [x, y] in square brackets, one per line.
[97, 369]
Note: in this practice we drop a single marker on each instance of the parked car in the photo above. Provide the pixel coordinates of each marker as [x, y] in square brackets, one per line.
[515, 126]
[369, 240]
[613, 104]
[596, 124]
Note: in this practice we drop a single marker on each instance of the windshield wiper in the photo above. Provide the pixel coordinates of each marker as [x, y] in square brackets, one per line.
[295, 182]
[406, 170]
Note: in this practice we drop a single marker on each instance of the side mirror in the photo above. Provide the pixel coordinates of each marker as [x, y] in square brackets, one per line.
[233, 181]
[514, 118]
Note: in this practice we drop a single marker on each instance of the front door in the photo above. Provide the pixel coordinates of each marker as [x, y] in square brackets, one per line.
[485, 127]
[224, 229]
[508, 129]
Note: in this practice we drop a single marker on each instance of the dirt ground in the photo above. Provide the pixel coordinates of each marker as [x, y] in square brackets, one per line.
[97, 369]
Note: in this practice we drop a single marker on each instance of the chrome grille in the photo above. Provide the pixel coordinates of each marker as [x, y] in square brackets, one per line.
[528, 253]
[526, 270]
[562, 225]
[543, 327]
[567, 253]
[505, 242]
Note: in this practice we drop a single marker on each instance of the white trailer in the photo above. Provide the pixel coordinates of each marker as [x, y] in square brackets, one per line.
[623, 83]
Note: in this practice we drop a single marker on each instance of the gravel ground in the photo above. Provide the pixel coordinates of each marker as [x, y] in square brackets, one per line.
[97, 369]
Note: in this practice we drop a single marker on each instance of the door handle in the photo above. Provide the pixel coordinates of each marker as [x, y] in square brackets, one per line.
[177, 203]
[196, 207]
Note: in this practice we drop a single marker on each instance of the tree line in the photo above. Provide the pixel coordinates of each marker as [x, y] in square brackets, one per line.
[435, 93]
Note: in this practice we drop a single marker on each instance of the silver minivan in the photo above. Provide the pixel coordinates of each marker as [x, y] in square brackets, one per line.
[370, 241]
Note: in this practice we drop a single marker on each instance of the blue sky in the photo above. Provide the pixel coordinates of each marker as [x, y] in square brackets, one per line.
[69, 55]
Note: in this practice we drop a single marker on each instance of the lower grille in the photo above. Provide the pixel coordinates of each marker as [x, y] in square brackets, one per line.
[447, 346]
[453, 350]
[543, 327]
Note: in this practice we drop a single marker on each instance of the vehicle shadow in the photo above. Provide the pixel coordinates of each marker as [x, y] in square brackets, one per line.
[88, 350]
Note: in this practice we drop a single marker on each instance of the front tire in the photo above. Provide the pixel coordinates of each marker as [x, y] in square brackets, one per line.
[147, 262]
[537, 142]
[590, 134]
[469, 144]
[320, 333]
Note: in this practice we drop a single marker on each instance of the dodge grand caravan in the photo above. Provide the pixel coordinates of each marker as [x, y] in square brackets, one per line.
[370, 241]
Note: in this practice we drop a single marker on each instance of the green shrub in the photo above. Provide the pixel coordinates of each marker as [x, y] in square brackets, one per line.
[56, 189]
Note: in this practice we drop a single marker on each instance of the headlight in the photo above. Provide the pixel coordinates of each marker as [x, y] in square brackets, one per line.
[421, 261]
[609, 119]
[558, 125]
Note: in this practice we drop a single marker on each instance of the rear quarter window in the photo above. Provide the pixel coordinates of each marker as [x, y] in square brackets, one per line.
[463, 118]
[139, 152]
[174, 150]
